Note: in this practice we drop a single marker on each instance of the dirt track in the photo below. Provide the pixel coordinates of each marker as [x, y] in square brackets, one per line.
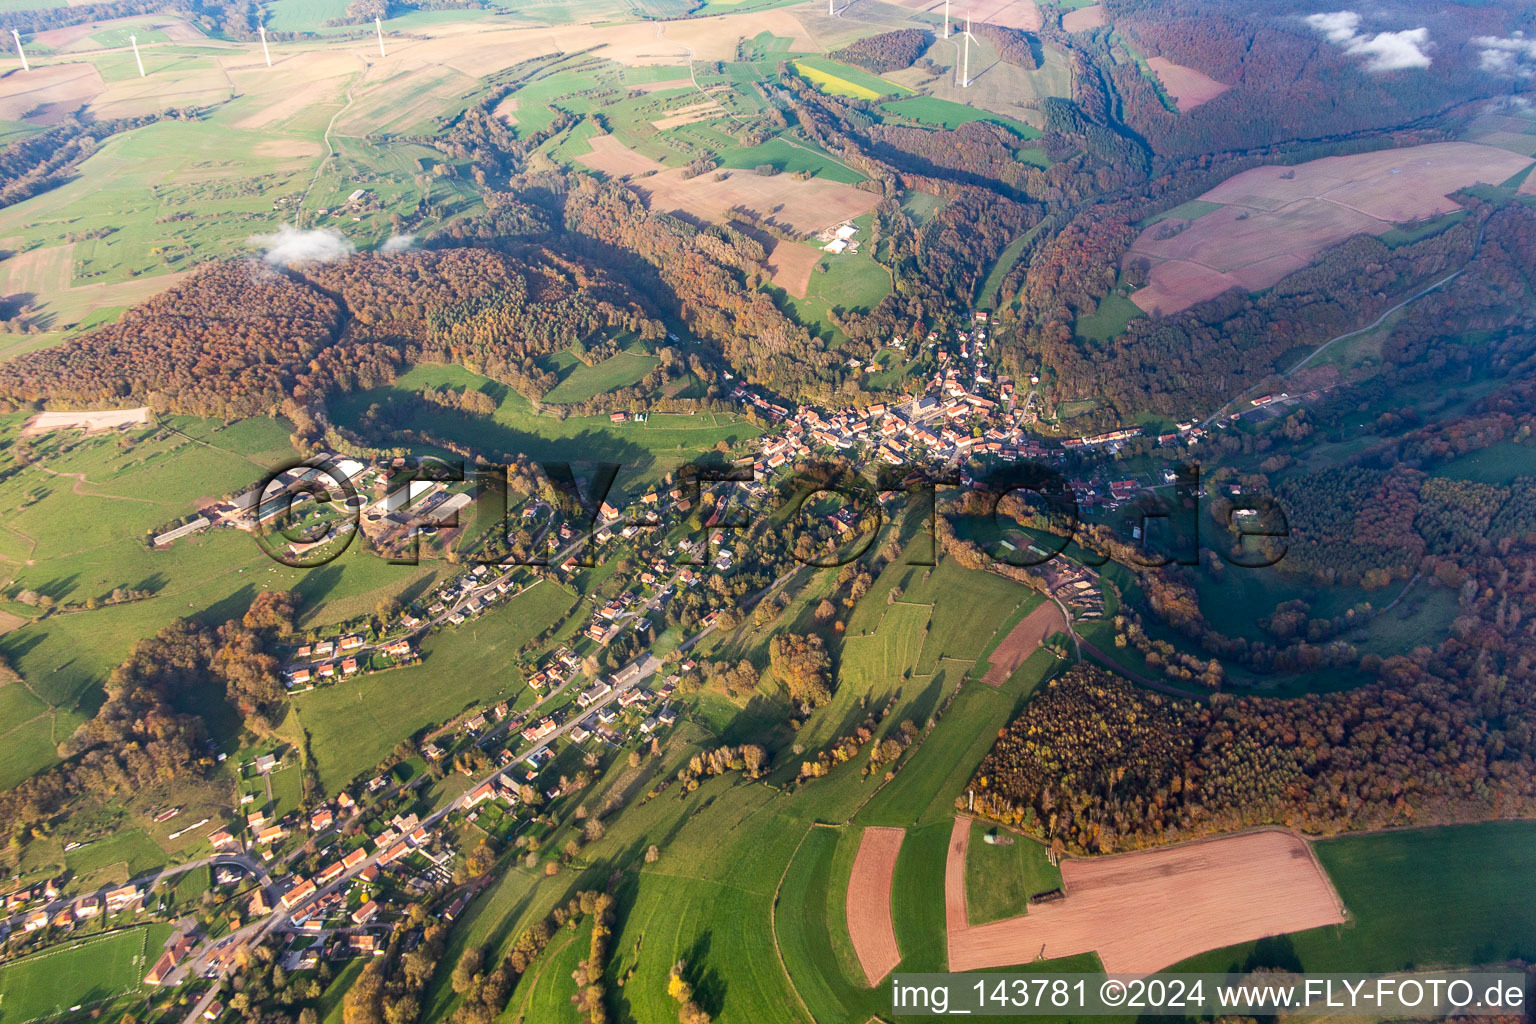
[869, 902]
[1143, 911]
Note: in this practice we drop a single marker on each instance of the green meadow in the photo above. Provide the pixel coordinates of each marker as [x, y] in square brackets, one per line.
[353, 725]
[579, 381]
[88, 972]
[948, 114]
[999, 880]
[645, 450]
[1417, 899]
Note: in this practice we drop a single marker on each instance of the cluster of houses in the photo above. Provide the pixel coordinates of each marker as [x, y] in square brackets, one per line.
[963, 411]
[328, 660]
[388, 511]
[109, 902]
[314, 909]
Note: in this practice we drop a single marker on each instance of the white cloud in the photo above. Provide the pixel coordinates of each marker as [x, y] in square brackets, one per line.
[398, 243]
[1393, 51]
[290, 245]
[1340, 26]
[1506, 55]
[1387, 51]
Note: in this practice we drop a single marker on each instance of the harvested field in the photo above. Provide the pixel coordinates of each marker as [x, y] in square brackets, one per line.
[671, 83]
[613, 158]
[314, 79]
[870, 925]
[791, 264]
[1084, 18]
[800, 206]
[507, 110]
[690, 114]
[68, 35]
[1275, 220]
[1188, 87]
[43, 271]
[135, 96]
[1143, 911]
[1022, 641]
[477, 50]
[47, 95]
[178, 31]
[92, 421]
[1008, 13]
[1391, 184]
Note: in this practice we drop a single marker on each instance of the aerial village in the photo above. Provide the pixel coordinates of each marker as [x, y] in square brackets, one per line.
[333, 882]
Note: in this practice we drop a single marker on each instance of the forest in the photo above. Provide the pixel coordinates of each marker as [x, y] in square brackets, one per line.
[241, 338]
[1104, 765]
[155, 722]
[888, 51]
[1287, 82]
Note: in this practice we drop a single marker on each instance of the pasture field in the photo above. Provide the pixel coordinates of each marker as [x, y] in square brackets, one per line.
[877, 667]
[165, 197]
[579, 382]
[851, 281]
[990, 296]
[949, 114]
[353, 725]
[1417, 899]
[303, 15]
[1110, 320]
[87, 972]
[969, 608]
[790, 157]
[645, 450]
[999, 880]
[925, 790]
[76, 520]
[1497, 464]
[1190, 211]
[115, 858]
[548, 999]
[723, 856]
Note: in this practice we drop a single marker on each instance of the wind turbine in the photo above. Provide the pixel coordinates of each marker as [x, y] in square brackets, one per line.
[380, 30]
[965, 73]
[265, 52]
[134, 42]
[946, 19]
[19, 51]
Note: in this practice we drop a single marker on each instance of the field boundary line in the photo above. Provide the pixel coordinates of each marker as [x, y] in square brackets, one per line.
[773, 918]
